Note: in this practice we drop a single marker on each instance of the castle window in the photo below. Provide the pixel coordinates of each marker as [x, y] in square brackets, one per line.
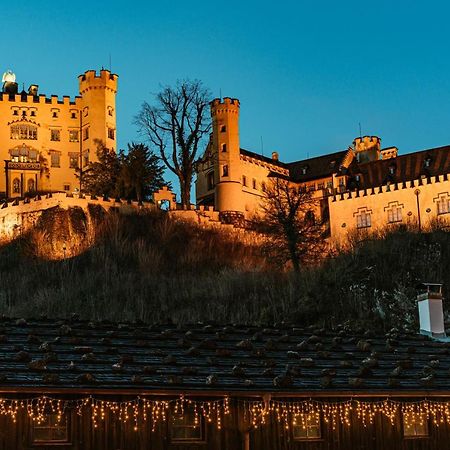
[363, 218]
[55, 135]
[224, 147]
[443, 205]
[85, 111]
[25, 132]
[415, 425]
[66, 187]
[254, 183]
[55, 159]
[86, 158]
[111, 133]
[320, 185]
[86, 133]
[24, 113]
[304, 169]
[33, 113]
[30, 185]
[244, 180]
[187, 428]
[394, 214]
[223, 128]
[16, 186]
[73, 160]
[74, 136]
[427, 161]
[51, 430]
[306, 428]
[55, 114]
[225, 171]
[110, 111]
[263, 187]
[73, 115]
[15, 112]
[210, 180]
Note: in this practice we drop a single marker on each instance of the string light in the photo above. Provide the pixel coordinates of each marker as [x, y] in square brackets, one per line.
[256, 412]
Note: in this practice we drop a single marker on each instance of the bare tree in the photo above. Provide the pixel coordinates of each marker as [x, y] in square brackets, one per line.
[289, 220]
[176, 124]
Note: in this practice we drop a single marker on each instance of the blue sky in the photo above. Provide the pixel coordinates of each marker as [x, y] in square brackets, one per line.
[307, 73]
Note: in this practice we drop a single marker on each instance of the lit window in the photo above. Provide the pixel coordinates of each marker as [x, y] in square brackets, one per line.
[16, 186]
[25, 132]
[50, 430]
[73, 161]
[187, 428]
[443, 205]
[55, 159]
[224, 147]
[55, 135]
[415, 425]
[86, 133]
[394, 214]
[111, 133]
[73, 136]
[306, 427]
[363, 220]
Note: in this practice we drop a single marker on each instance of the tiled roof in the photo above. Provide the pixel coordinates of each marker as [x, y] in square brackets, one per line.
[82, 356]
[316, 168]
[405, 167]
[261, 158]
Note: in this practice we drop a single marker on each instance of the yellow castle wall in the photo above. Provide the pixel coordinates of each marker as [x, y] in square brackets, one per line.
[344, 212]
[62, 114]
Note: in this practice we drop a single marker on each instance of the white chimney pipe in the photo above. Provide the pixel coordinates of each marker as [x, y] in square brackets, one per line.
[431, 311]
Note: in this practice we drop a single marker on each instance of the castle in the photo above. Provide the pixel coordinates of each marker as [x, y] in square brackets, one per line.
[365, 187]
[47, 140]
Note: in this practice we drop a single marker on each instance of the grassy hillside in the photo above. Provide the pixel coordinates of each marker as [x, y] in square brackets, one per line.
[151, 268]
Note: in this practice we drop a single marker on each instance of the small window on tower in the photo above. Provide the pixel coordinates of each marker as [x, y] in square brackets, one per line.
[224, 147]
[111, 133]
[254, 183]
[223, 128]
[86, 133]
[73, 115]
[33, 113]
[244, 180]
[55, 114]
[225, 171]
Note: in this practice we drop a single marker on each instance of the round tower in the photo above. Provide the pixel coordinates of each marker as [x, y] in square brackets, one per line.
[227, 163]
[98, 110]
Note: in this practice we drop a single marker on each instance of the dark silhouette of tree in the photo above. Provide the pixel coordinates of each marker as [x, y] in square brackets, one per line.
[141, 172]
[134, 175]
[289, 221]
[101, 177]
[176, 124]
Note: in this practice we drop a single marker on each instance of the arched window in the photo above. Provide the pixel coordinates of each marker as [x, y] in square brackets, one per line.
[30, 185]
[16, 186]
[24, 132]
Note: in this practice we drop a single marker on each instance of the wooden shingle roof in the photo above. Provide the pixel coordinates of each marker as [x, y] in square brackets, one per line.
[79, 356]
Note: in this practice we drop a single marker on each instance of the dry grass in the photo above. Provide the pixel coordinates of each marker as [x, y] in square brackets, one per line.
[152, 268]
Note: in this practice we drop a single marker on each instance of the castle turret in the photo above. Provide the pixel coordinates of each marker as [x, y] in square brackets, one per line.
[226, 153]
[98, 110]
[367, 148]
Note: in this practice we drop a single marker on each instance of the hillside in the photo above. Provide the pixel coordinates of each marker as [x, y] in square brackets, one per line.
[152, 268]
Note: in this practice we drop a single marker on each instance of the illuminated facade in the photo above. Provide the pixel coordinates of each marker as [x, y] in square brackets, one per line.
[365, 187]
[44, 140]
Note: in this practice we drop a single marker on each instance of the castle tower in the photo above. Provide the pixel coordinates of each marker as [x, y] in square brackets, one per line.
[226, 154]
[367, 148]
[98, 111]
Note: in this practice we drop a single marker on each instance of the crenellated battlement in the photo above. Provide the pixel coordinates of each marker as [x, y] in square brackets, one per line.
[226, 105]
[366, 141]
[383, 189]
[92, 80]
[40, 99]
